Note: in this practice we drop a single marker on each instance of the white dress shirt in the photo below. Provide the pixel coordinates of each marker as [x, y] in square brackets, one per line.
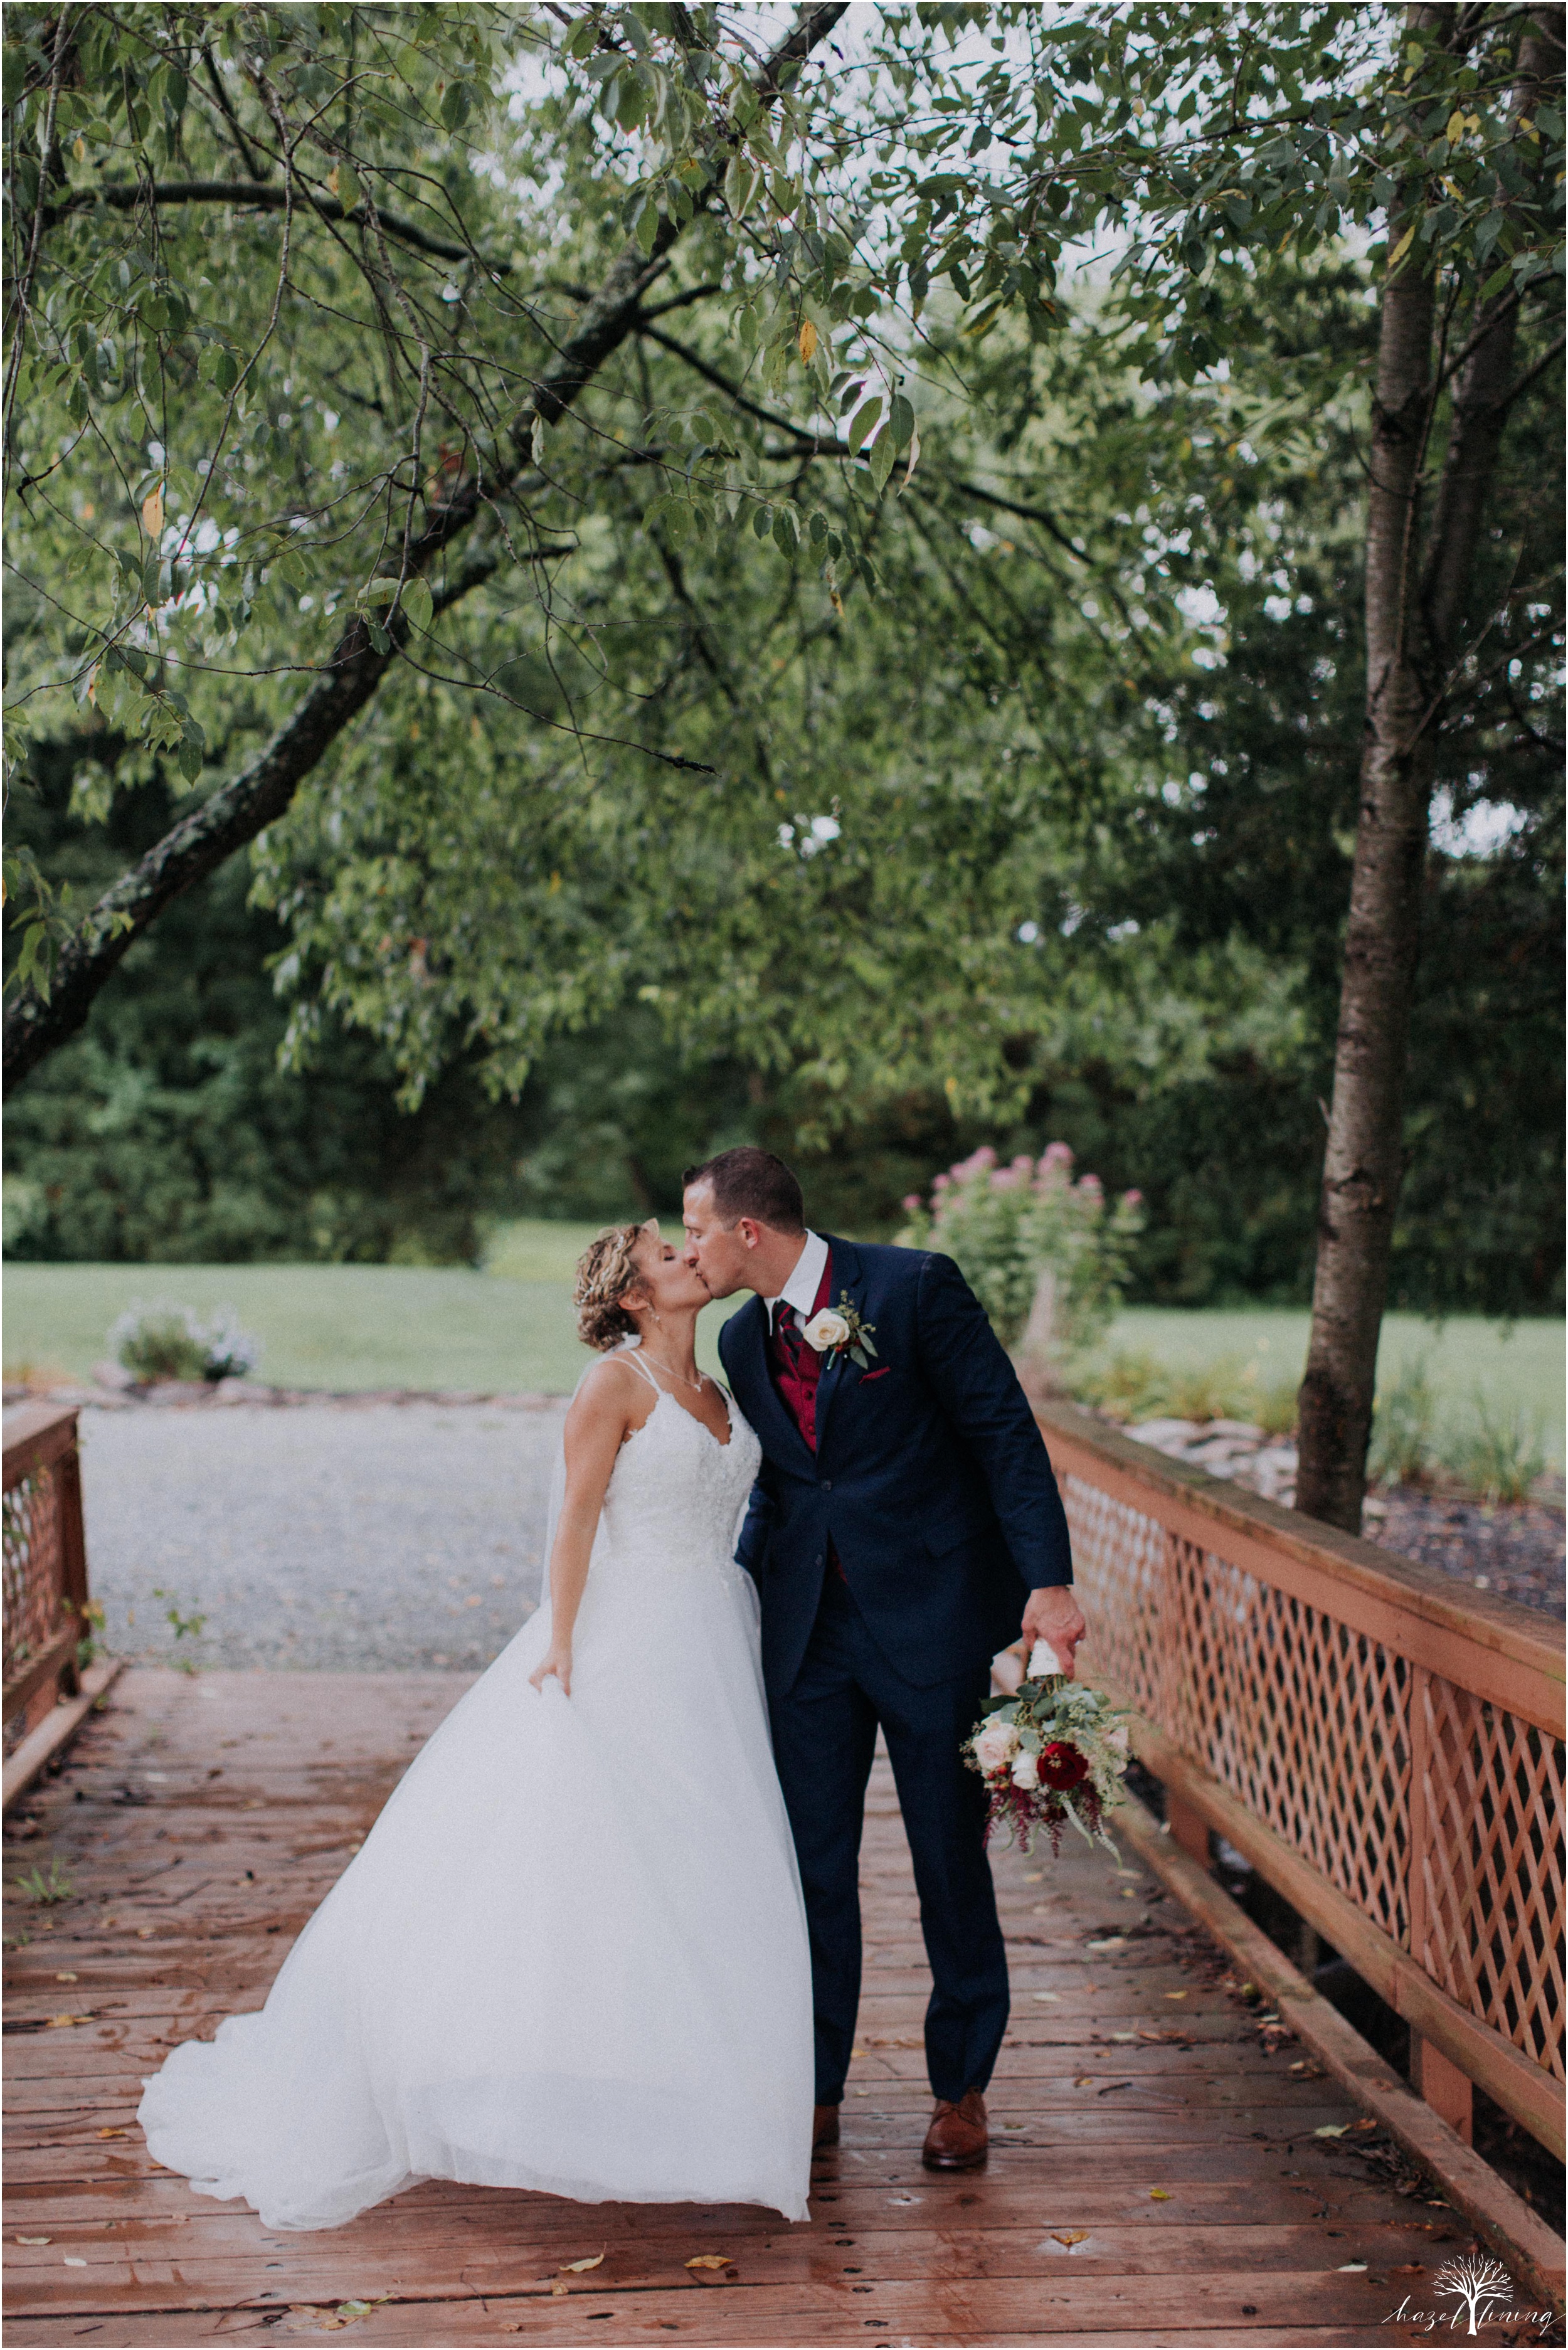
[800, 1290]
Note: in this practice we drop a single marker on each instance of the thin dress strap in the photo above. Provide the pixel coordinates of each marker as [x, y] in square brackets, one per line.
[643, 1370]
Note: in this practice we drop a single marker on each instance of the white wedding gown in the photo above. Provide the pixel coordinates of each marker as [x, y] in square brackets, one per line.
[572, 1952]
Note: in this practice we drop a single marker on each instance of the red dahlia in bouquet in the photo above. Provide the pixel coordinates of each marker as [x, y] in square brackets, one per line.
[1050, 1753]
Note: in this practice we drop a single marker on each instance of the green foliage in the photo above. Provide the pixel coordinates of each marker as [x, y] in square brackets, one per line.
[1498, 1452]
[1403, 1424]
[1205, 142]
[168, 1341]
[1029, 1234]
[160, 1342]
[45, 1886]
[1019, 688]
[1133, 1385]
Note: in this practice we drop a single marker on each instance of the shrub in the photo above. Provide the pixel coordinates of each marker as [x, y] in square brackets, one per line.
[1045, 1255]
[1500, 1454]
[1133, 1385]
[165, 1341]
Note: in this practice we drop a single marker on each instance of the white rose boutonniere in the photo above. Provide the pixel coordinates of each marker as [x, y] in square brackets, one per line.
[838, 1330]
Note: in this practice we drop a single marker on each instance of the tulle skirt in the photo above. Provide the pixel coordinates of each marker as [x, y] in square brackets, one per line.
[571, 1955]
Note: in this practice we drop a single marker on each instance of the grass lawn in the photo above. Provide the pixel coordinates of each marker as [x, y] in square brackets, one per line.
[510, 1326]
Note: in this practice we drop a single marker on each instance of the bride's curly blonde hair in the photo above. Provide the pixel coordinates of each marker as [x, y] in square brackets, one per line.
[606, 1271]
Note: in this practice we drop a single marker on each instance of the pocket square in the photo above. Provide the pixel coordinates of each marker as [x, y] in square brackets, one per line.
[867, 1377]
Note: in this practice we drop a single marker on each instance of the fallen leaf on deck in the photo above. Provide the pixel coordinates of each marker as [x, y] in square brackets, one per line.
[1085, 2081]
[55, 2022]
[1160, 2195]
[1365, 2122]
[1409, 2268]
[1176, 1994]
[35, 2239]
[1351, 2268]
[1331, 2130]
[710, 2261]
[559, 2292]
[858, 2052]
[1070, 2235]
[145, 1933]
[1110, 1943]
[580, 2268]
[70, 2264]
[65, 1979]
[1045, 1994]
[111, 2133]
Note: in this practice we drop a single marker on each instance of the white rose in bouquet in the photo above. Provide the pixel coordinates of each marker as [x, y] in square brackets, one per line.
[1118, 1738]
[1026, 1772]
[825, 1330]
[995, 1747]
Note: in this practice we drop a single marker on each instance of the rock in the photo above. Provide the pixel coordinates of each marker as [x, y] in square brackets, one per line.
[112, 1374]
[1237, 1427]
[175, 1391]
[1166, 1435]
[241, 1390]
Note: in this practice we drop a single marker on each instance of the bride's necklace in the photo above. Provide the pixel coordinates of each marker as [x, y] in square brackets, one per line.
[696, 1385]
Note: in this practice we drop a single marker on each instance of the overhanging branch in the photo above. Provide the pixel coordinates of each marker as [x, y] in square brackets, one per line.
[262, 792]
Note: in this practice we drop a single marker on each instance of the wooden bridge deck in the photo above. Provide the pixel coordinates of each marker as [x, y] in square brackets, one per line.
[1155, 2179]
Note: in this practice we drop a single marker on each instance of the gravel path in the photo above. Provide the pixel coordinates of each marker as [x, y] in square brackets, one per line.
[345, 1538]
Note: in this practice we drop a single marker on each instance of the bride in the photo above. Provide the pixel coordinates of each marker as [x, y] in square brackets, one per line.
[571, 1955]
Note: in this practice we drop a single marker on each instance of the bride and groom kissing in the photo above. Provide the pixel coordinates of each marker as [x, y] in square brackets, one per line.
[604, 1939]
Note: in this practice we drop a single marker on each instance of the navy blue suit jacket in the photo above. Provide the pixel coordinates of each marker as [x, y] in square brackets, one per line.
[930, 1473]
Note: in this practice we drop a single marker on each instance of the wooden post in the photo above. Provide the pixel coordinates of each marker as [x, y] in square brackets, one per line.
[1188, 1826]
[1444, 2088]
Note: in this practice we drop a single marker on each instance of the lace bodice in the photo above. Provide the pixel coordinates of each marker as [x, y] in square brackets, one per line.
[675, 1496]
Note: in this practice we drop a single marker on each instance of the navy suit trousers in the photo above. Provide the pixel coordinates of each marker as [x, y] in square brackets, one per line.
[825, 1734]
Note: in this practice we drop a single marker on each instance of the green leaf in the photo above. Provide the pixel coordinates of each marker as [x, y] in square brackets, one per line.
[901, 422]
[865, 422]
[883, 453]
[189, 759]
[454, 114]
[418, 605]
[348, 190]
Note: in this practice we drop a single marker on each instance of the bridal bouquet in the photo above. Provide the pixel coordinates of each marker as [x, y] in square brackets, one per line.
[1050, 1753]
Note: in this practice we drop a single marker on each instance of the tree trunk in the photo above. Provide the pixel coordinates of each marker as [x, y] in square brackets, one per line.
[37, 1022]
[1414, 608]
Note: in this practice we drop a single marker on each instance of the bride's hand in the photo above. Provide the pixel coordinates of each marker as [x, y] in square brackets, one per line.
[557, 1660]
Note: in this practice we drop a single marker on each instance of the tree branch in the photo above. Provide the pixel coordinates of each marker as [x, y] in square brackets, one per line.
[264, 196]
[260, 792]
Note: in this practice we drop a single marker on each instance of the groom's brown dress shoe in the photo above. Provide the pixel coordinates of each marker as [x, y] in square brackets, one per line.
[824, 2126]
[957, 2138]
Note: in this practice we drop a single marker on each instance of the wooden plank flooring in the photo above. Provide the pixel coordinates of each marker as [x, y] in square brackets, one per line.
[1155, 2178]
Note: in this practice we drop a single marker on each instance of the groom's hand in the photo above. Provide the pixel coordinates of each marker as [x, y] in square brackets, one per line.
[1052, 1614]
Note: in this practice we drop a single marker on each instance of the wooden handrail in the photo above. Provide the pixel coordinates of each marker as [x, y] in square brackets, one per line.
[46, 1569]
[1425, 1604]
[1384, 1746]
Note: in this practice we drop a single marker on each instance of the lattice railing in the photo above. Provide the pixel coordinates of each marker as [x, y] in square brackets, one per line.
[1385, 1745]
[45, 1563]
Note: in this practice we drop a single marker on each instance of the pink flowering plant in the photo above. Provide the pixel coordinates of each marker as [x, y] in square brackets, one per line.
[1052, 1754]
[1045, 1251]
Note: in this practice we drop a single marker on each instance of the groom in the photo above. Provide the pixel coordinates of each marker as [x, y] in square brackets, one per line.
[904, 1524]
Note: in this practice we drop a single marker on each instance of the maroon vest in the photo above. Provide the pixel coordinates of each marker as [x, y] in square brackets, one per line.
[797, 1373]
